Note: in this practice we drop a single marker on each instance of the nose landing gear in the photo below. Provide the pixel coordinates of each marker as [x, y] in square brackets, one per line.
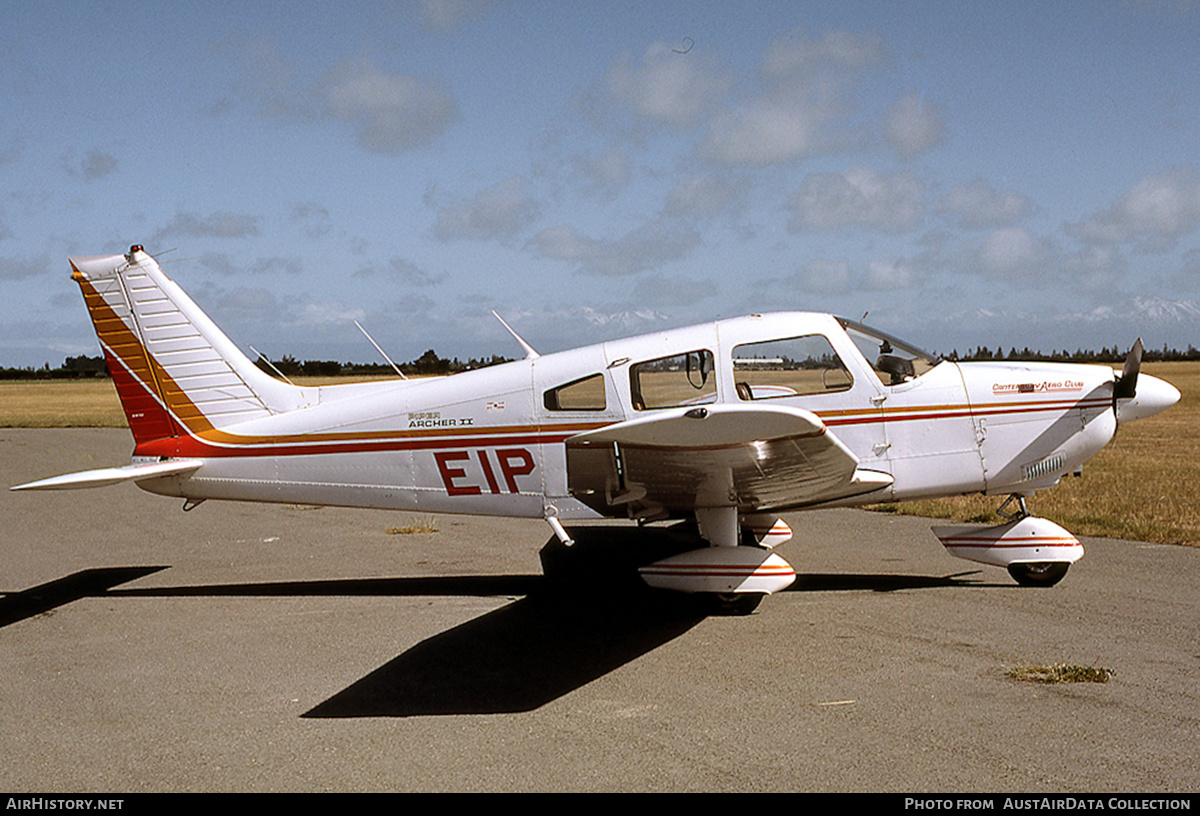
[1035, 551]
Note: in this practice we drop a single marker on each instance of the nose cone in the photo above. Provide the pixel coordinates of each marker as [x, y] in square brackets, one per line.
[1153, 395]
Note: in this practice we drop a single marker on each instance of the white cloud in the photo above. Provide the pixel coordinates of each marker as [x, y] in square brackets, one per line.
[390, 113]
[791, 56]
[978, 205]
[809, 84]
[1158, 211]
[889, 274]
[1014, 251]
[1095, 269]
[265, 78]
[666, 87]
[823, 275]
[497, 212]
[913, 126]
[215, 225]
[446, 15]
[701, 195]
[16, 268]
[403, 270]
[393, 113]
[650, 245]
[274, 264]
[263, 309]
[768, 130]
[218, 262]
[669, 290]
[310, 314]
[605, 174]
[890, 202]
[313, 216]
[95, 165]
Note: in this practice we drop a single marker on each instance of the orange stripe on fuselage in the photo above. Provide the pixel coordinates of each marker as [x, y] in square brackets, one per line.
[928, 412]
[322, 444]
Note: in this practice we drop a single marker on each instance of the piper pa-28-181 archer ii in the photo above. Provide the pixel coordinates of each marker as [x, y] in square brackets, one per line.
[728, 423]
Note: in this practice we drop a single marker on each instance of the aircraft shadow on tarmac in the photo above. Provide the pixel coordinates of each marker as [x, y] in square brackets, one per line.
[586, 616]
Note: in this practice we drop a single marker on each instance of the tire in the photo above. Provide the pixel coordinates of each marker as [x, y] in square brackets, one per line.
[735, 603]
[1040, 574]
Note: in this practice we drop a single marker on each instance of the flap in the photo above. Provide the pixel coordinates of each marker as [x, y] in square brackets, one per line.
[672, 461]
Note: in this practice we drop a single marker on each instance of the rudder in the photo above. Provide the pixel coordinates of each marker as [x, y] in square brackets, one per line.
[175, 371]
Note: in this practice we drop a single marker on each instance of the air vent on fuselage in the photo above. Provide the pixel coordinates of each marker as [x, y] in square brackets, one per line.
[1042, 468]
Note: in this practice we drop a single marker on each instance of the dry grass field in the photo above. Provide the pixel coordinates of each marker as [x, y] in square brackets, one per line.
[78, 403]
[60, 404]
[1144, 486]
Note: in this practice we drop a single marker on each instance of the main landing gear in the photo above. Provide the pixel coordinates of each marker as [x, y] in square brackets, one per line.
[732, 577]
[735, 603]
[1039, 573]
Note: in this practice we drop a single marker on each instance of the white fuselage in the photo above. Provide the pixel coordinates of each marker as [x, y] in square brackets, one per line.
[491, 441]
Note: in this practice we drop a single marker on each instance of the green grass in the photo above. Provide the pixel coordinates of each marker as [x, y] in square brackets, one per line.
[1060, 673]
[415, 526]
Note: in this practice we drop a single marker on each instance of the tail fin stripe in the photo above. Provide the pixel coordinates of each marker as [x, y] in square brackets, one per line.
[135, 373]
[173, 367]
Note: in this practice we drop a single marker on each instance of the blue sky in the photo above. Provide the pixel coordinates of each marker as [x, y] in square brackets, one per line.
[964, 173]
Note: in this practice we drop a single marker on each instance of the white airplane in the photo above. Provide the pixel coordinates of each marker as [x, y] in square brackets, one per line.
[729, 423]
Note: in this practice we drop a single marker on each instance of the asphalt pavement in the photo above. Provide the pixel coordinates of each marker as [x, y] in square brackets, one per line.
[242, 647]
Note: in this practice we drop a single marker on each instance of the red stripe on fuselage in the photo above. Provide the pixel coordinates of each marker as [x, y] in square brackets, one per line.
[324, 443]
[933, 412]
[198, 447]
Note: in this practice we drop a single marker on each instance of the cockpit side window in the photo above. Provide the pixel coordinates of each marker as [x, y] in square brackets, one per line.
[791, 367]
[669, 382]
[586, 394]
[893, 360]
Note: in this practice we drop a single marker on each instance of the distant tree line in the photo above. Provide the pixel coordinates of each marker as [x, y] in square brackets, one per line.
[84, 367]
[1104, 355]
[428, 363]
[72, 368]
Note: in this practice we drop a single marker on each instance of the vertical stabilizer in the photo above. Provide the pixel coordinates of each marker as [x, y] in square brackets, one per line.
[175, 371]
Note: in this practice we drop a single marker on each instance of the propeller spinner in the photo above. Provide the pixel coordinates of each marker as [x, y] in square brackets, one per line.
[1134, 397]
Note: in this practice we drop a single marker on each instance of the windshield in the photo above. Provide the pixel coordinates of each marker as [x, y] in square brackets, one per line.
[892, 359]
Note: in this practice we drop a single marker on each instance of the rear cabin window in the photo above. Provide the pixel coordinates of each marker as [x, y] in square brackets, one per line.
[586, 394]
[793, 367]
[670, 382]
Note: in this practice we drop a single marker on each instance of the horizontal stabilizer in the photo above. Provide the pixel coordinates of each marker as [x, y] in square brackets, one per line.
[111, 476]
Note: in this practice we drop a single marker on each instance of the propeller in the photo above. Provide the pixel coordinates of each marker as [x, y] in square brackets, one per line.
[1125, 385]
[1132, 399]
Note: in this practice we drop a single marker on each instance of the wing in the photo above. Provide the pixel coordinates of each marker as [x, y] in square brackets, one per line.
[755, 458]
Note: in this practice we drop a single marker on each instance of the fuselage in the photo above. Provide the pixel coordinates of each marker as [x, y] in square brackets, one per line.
[491, 441]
